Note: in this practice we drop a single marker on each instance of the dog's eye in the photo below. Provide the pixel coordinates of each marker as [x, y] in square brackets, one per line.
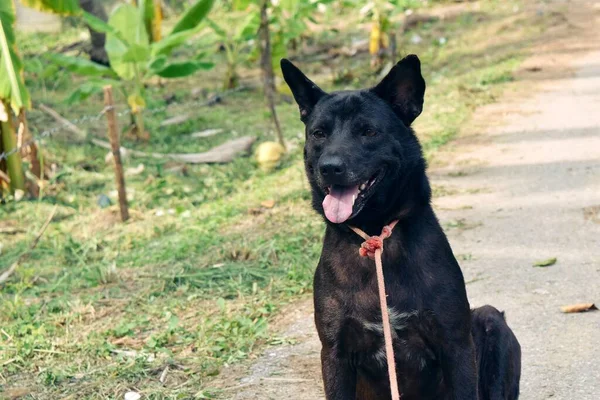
[370, 133]
[318, 134]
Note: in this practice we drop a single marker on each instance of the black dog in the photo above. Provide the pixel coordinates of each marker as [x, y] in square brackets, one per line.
[365, 167]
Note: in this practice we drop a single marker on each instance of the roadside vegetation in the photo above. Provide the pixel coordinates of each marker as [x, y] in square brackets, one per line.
[212, 252]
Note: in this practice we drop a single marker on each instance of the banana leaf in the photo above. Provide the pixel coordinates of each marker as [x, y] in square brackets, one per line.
[61, 7]
[193, 16]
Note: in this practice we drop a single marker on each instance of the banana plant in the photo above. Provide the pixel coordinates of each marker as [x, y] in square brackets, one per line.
[134, 59]
[152, 18]
[13, 94]
[378, 12]
[236, 40]
[61, 7]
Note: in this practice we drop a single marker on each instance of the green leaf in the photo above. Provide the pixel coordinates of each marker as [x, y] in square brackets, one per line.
[216, 28]
[248, 28]
[12, 87]
[173, 322]
[136, 53]
[545, 263]
[61, 7]
[8, 17]
[193, 16]
[99, 26]
[80, 66]
[166, 45]
[157, 64]
[182, 69]
[241, 4]
[125, 20]
[88, 89]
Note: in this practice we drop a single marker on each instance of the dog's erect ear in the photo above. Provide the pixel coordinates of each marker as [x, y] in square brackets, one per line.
[305, 91]
[404, 89]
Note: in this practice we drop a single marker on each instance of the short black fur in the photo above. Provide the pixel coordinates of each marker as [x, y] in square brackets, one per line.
[363, 139]
[498, 355]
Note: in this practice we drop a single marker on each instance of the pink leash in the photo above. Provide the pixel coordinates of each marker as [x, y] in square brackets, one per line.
[372, 247]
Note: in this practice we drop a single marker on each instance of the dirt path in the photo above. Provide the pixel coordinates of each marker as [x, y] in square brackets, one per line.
[526, 189]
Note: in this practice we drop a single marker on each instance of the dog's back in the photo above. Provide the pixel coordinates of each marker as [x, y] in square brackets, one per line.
[498, 355]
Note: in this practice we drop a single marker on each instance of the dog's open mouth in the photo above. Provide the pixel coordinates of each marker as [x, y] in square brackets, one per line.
[344, 202]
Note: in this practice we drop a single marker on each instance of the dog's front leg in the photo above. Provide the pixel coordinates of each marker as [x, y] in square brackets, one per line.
[461, 368]
[338, 376]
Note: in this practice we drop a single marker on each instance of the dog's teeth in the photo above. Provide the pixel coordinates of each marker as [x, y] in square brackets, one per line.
[363, 187]
[353, 198]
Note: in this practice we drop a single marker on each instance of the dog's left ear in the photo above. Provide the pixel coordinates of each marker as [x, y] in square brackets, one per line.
[305, 91]
[404, 89]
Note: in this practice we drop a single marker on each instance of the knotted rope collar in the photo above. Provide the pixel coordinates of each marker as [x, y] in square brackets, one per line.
[372, 247]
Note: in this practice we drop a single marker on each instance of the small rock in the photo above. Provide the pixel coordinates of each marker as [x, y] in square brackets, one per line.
[132, 396]
[103, 201]
[19, 194]
[416, 39]
[186, 214]
[135, 171]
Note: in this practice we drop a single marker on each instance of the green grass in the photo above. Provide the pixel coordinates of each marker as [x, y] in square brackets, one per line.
[192, 281]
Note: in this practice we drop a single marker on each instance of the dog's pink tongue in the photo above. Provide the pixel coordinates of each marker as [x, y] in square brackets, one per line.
[338, 203]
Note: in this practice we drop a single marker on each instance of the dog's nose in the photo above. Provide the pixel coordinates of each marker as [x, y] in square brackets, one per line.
[332, 167]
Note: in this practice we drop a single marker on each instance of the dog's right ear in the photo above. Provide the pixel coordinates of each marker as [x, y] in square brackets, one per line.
[305, 91]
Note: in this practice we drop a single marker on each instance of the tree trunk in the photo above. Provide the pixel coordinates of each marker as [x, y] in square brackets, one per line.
[14, 165]
[30, 154]
[97, 52]
[266, 64]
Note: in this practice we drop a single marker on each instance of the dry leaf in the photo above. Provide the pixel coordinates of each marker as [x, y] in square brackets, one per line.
[577, 308]
[545, 263]
[268, 203]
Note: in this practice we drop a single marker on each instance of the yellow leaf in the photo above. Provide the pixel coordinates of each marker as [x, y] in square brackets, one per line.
[157, 18]
[385, 40]
[374, 39]
[136, 103]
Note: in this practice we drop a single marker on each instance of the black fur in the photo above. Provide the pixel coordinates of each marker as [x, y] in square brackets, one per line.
[498, 355]
[365, 136]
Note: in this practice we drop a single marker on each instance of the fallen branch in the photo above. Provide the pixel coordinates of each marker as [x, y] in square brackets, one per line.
[206, 133]
[175, 120]
[80, 135]
[220, 154]
[10, 230]
[6, 274]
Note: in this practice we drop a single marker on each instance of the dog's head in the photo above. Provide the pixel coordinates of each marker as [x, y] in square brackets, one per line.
[360, 152]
